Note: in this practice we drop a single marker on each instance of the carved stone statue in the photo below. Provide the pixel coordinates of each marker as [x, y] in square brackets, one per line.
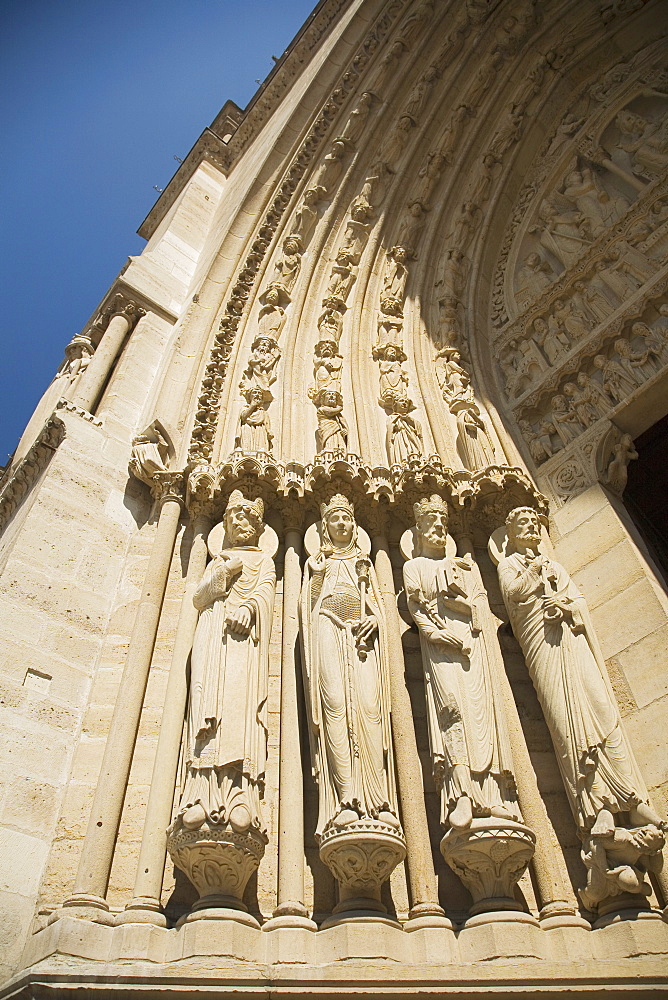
[219, 819]
[551, 622]
[394, 283]
[332, 432]
[254, 431]
[404, 432]
[347, 693]
[473, 443]
[470, 748]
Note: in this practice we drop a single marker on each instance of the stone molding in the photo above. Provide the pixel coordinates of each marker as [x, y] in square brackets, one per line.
[21, 479]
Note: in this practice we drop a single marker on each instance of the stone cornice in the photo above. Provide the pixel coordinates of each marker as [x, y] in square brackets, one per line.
[21, 479]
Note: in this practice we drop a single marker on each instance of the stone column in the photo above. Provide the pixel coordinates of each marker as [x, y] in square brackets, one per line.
[88, 390]
[290, 911]
[97, 854]
[145, 907]
[558, 907]
[425, 909]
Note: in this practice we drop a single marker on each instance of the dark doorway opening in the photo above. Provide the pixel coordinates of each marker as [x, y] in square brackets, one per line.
[646, 493]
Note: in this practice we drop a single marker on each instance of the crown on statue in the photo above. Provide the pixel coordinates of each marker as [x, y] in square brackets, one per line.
[255, 508]
[430, 505]
[337, 502]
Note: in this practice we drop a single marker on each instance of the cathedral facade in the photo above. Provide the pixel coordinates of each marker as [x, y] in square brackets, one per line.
[334, 559]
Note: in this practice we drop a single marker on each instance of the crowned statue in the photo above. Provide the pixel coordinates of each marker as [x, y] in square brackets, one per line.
[344, 657]
[226, 730]
[467, 735]
[345, 674]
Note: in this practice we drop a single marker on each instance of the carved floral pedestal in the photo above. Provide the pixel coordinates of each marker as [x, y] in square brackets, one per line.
[361, 856]
[490, 856]
[219, 863]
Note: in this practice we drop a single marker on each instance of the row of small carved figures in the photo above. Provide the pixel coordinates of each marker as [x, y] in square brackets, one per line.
[570, 321]
[594, 393]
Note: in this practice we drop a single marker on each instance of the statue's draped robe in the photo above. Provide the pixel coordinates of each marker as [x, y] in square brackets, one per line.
[347, 694]
[465, 727]
[226, 744]
[566, 668]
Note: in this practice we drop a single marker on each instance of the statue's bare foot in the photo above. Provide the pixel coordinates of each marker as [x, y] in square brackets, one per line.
[240, 819]
[604, 825]
[345, 817]
[389, 819]
[462, 815]
[194, 817]
[502, 813]
[643, 813]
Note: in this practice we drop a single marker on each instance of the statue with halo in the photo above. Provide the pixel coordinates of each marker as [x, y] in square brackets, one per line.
[218, 836]
[486, 842]
[621, 833]
[346, 682]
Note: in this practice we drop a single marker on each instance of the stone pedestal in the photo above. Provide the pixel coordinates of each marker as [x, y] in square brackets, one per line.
[490, 856]
[219, 864]
[361, 856]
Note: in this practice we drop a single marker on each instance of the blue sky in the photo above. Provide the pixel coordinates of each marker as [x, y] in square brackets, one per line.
[96, 99]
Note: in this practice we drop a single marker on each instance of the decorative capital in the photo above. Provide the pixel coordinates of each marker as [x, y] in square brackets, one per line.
[168, 486]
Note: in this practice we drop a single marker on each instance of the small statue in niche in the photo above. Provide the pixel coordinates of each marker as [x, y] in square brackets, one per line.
[261, 370]
[551, 622]
[353, 130]
[469, 745]
[287, 267]
[453, 380]
[254, 430]
[306, 217]
[394, 282]
[332, 431]
[327, 368]
[328, 172]
[473, 444]
[272, 316]
[404, 432]
[345, 676]
[226, 740]
[393, 378]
